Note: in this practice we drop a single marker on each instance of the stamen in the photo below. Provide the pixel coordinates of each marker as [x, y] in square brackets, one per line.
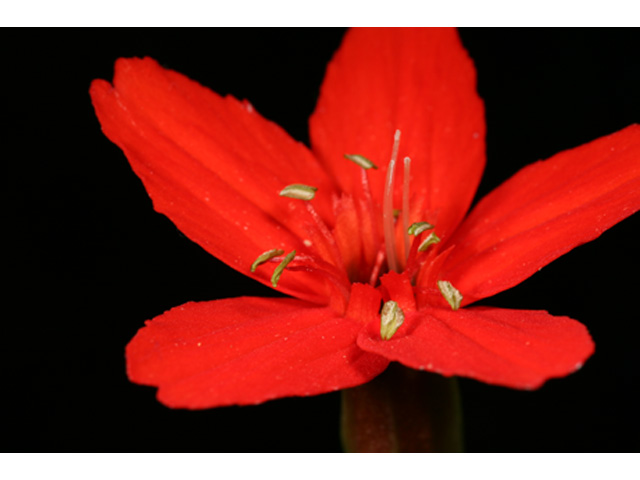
[431, 239]
[414, 261]
[371, 241]
[387, 208]
[450, 294]
[405, 205]
[391, 318]
[419, 227]
[280, 268]
[361, 161]
[265, 257]
[299, 191]
[326, 233]
[337, 277]
[376, 267]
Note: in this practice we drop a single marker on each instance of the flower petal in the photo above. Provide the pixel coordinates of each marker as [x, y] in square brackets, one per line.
[246, 351]
[213, 166]
[422, 82]
[513, 348]
[544, 211]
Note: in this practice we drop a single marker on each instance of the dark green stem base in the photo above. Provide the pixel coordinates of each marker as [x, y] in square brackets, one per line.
[402, 410]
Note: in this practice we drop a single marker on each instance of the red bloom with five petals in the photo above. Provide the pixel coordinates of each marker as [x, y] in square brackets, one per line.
[215, 168]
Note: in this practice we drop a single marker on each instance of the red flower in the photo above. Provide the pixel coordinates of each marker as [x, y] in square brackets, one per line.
[216, 168]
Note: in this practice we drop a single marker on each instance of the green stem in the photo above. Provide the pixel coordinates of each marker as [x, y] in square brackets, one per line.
[402, 410]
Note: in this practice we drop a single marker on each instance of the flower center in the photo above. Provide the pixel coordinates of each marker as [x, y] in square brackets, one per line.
[356, 247]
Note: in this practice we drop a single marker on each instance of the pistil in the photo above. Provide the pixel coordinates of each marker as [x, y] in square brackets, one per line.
[387, 208]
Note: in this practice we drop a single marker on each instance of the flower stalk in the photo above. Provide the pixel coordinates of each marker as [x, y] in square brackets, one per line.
[402, 410]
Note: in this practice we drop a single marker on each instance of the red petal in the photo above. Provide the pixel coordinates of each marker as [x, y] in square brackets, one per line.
[544, 211]
[213, 166]
[364, 303]
[422, 82]
[246, 351]
[513, 348]
[398, 287]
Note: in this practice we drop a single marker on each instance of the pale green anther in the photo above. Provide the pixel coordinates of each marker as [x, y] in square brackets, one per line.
[265, 257]
[361, 161]
[419, 227]
[299, 191]
[280, 268]
[450, 294]
[391, 318]
[431, 239]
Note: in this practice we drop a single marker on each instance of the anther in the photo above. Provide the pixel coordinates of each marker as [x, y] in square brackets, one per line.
[450, 294]
[361, 161]
[419, 227]
[265, 257]
[280, 268]
[299, 191]
[391, 317]
[431, 239]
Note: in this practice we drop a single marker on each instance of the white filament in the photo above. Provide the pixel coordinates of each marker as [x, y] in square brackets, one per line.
[387, 207]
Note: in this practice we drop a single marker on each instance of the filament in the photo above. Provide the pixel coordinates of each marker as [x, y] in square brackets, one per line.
[405, 206]
[326, 233]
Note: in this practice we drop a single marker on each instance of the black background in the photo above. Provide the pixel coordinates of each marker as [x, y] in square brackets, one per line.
[89, 260]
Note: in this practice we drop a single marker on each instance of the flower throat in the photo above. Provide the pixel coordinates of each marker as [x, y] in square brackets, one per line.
[327, 259]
